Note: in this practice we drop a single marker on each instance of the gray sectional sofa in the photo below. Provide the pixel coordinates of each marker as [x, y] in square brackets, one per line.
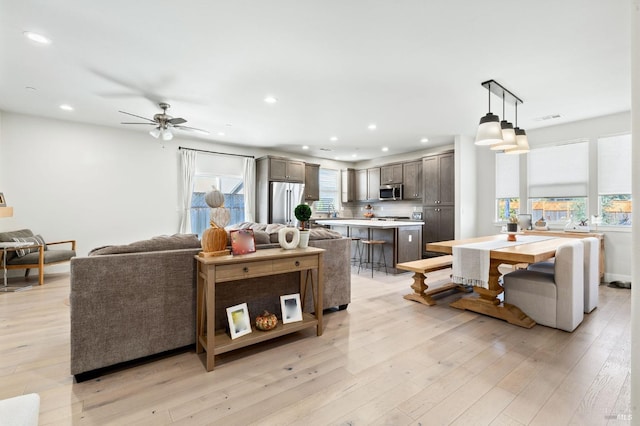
[138, 300]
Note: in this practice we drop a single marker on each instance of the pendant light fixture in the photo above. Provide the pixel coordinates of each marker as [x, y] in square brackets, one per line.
[508, 134]
[489, 130]
[522, 143]
[501, 135]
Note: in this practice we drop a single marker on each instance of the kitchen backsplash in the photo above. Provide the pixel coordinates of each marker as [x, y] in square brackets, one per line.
[379, 209]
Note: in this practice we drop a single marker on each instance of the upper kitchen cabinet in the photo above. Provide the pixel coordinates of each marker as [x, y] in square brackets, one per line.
[391, 174]
[282, 169]
[348, 179]
[412, 178]
[311, 182]
[368, 184]
[438, 174]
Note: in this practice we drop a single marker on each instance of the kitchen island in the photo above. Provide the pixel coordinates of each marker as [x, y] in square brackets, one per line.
[403, 238]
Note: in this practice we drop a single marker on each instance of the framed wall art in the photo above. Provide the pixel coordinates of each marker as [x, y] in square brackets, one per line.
[291, 308]
[239, 321]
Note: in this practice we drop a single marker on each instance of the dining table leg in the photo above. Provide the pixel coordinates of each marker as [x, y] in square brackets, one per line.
[487, 301]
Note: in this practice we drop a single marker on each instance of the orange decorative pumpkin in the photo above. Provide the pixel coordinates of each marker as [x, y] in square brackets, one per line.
[267, 321]
[214, 239]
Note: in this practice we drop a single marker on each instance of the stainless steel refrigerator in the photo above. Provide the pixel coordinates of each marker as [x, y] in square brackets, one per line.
[283, 199]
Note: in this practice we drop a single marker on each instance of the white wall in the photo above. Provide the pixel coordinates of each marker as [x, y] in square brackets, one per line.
[98, 185]
[466, 185]
[635, 291]
[617, 241]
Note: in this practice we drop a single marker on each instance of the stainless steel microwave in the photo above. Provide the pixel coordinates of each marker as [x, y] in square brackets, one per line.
[391, 192]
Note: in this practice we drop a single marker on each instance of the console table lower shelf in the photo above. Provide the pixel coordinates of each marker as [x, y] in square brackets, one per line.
[214, 270]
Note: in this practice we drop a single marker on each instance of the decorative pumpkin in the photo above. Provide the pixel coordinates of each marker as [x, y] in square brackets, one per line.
[220, 216]
[214, 239]
[267, 321]
[214, 198]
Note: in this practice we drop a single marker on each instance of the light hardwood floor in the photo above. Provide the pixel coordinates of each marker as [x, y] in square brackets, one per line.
[384, 360]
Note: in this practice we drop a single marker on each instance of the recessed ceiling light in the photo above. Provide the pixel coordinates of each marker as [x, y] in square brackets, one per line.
[354, 155]
[336, 158]
[424, 140]
[385, 149]
[270, 100]
[333, 138]
[38, 38]
[66, 107]
[372, 126]
[220, 133]
[305, 146]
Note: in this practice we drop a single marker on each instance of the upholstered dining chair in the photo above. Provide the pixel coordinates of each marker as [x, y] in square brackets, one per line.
[591, 272]
[554, 300]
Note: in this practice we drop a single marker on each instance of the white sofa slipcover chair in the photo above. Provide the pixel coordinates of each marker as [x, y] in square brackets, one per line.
[591, 272]
[555, 300]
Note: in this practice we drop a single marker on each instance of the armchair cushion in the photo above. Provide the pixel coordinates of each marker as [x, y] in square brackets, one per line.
[8, 237]
[36, 240]
[50, 256]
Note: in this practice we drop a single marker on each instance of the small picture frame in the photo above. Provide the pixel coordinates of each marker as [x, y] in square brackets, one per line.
[291, 308]
[239, 321]
[242, 241]
[3, 201]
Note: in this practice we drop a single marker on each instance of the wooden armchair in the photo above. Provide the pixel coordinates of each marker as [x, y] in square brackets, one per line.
[39, 256]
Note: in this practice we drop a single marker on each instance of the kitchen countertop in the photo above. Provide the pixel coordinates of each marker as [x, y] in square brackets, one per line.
[368, 223]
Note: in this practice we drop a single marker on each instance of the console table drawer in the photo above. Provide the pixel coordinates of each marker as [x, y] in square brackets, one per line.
[247, 270]
[294, 264]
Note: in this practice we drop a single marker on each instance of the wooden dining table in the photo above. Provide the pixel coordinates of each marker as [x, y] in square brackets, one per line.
[487, 302]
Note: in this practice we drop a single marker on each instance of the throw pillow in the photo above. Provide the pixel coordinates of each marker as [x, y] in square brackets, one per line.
[35, 240]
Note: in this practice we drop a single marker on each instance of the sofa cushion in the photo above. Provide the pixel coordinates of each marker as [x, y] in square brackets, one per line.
[160, 243]
[50, 256]
[35, 240]
[8, 237]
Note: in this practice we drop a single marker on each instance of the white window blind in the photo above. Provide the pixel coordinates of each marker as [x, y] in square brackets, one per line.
[559, 171]
[329, 193]
[507, 176]
[614, 165]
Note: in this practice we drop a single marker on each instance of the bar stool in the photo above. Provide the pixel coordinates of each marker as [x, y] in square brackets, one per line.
[357, 252]
[371, 244]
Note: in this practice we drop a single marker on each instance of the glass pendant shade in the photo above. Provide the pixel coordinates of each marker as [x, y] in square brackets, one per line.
[508, 137]
[155, 132]
[489, 130]
[522, 141]
[167, 135]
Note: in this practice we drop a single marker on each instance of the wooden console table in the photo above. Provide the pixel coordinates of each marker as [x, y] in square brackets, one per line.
[214, 270]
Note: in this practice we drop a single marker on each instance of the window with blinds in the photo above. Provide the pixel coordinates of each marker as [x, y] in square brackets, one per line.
[507, 186]
[614, 181]
[329, 192]
[558, 182]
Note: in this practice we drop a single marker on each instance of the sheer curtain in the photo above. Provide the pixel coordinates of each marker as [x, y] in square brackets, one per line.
[188, 165]
[249, 179]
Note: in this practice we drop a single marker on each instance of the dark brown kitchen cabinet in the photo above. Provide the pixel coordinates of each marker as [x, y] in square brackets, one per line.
[412, 178]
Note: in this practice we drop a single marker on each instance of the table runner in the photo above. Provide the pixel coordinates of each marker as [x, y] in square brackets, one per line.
[471, 261]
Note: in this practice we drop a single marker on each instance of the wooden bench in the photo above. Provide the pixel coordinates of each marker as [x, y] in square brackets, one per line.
[420, 268]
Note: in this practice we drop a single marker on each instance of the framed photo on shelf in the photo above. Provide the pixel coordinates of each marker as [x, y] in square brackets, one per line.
[291, 308]
[239, 321]
[3, 202]
[242, 241]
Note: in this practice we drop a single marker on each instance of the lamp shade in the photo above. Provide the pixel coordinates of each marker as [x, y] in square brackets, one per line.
[155, 132]
[508, 137]
[167, 135]
[6, 211]
[522, 141]
[489, 130]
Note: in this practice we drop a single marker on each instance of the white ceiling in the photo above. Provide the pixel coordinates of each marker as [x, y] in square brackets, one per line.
[413, 67]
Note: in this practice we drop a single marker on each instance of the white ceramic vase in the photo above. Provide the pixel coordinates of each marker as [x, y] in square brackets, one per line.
[282, 238]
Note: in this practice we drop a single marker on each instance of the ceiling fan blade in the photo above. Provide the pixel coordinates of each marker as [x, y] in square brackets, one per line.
[177, 120]
[191, 129]
[139, 116]
[146, 124]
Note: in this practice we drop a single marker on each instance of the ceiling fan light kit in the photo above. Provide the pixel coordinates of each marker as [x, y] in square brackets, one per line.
[164, 124]
[501, 135]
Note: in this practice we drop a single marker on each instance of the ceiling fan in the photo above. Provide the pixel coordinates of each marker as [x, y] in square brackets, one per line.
[164, 123]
